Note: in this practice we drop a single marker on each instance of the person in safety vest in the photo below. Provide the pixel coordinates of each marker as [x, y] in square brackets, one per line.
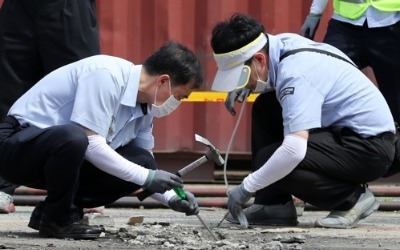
[368, 31]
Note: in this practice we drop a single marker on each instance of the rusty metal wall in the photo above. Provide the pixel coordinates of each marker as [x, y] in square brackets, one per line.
[133, 29]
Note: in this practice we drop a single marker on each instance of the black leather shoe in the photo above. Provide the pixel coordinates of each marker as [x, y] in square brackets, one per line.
[75, 230]
[36, 216]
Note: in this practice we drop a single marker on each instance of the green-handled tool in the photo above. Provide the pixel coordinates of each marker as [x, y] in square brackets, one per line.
[212, 154]
[181, 194]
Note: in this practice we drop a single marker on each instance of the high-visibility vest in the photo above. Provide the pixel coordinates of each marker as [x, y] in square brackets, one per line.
[353, 9]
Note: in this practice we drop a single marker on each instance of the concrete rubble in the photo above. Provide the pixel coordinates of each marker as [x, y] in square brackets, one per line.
[165, 229]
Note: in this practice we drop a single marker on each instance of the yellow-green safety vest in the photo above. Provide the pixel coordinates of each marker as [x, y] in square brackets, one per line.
[353, 9]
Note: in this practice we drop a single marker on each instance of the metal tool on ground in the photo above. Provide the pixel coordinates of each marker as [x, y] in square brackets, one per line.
[212, 154]
[208, 229]
[225, 215]
[181, 194]
[241, 218]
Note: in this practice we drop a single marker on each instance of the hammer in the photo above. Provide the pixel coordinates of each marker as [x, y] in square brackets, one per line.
[212, 154]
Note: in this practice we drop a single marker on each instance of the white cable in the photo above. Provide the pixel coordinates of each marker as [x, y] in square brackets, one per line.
[230, 144]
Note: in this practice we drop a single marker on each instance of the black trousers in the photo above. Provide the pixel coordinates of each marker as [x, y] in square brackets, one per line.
[375, 47]
[336, 164]
[37, 37]
[53, 159]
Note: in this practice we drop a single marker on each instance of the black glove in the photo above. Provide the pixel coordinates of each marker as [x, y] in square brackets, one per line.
[239, 95]
[159, 181]
[188, 206]
[310, 26]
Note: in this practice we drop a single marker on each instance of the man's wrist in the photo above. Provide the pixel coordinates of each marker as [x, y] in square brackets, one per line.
[149, 179]
[315, 15]
[245, 189]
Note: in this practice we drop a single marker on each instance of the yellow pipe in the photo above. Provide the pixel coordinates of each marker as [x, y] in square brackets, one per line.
[210, 96]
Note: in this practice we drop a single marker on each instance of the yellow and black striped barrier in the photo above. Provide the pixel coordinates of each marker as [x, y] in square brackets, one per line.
[210, 96]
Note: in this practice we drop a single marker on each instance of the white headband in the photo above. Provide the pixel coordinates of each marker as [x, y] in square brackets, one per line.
[230, 64]
[232, 59]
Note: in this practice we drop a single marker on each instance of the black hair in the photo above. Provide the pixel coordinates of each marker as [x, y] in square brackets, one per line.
[176, 60]
[235, 33]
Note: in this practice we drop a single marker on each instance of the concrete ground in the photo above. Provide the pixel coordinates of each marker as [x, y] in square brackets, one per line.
[166, 229]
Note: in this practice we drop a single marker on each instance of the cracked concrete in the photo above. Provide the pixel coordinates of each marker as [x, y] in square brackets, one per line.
[166, 229]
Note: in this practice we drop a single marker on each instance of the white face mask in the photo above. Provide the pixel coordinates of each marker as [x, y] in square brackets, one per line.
[263, 86]
[167, 107]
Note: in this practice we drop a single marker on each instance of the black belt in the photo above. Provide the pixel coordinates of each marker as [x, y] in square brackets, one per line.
[385, 135]
[388, 136]
[11, 120]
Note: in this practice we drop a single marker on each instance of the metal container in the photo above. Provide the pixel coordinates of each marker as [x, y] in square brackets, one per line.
[133, 29]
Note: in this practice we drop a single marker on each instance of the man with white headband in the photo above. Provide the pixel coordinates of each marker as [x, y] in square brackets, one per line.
[321, 130]
[87, 140]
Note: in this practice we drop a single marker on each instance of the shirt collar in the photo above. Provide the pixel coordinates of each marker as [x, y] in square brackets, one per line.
[130, 96]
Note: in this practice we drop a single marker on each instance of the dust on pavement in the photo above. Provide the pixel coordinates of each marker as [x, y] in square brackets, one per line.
[166, 229]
